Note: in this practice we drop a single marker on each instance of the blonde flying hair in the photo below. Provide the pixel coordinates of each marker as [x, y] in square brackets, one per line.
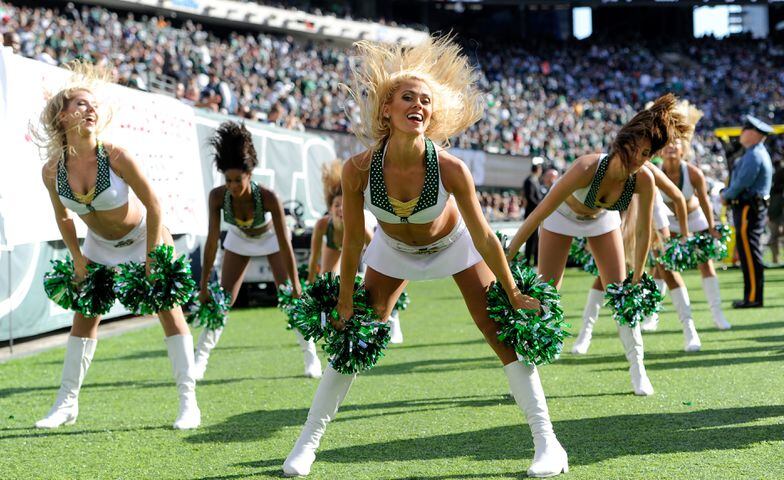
[50, 134]
[691, 115]
[439, 62]
[330, 177]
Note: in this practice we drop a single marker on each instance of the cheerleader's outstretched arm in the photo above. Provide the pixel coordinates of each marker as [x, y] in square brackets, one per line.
[211, 244]
[273, 205]
[645, 188]
[579, 175]
[315, 248]
[354, 232]
[457, 179]
[65, 224]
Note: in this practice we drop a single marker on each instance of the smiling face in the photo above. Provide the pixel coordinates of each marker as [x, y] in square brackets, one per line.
[80, 113]
[411, 107]
[237, 181]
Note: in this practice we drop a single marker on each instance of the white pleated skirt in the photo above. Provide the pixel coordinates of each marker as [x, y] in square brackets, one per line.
[565, 222]
[238, 242]
[131, 247]
[442, 258]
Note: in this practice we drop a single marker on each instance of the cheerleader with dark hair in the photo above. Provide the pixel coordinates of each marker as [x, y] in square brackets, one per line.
[256, 227]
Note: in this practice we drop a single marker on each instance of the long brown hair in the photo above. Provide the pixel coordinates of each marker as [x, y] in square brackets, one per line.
[330, 176]
[657, 124]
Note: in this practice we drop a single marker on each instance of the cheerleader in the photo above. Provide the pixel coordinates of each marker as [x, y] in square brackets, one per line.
[326, 242]
[586, 202]
[93, 179]
[256, 227]
[430, 221]
[661, 221]
[692, 184]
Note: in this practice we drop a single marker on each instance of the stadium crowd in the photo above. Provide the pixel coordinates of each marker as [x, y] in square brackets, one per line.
[550, 100]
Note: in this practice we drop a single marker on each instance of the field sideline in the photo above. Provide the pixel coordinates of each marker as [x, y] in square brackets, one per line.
[437, 407]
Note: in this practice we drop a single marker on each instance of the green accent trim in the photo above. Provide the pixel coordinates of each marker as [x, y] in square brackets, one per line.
[102, 180]
[378, 187]
[626, 195]
[330, 236]
[258, 207]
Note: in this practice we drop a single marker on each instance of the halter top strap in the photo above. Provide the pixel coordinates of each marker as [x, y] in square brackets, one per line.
[626, 195]
[380, 198]
[258, 209]
[102, 181]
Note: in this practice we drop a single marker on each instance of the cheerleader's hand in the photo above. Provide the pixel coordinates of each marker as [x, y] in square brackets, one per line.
[715, 233]
[520, 301]
[80, 268]
[204, 295]
[345, 310]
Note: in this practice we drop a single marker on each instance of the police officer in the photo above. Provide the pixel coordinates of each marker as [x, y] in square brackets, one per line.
[748, 194]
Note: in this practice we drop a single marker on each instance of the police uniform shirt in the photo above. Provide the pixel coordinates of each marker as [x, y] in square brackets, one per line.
[751, 175]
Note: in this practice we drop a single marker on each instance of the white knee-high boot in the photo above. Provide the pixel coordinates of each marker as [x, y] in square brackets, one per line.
[180, 349]
[590, 314]
[208, 339]
[395, 332]
[312, 362]
[550, 458]
[632, 346]
[651, 323]
[682, 304]
[330, 393]
[79, 353]
[710, 285]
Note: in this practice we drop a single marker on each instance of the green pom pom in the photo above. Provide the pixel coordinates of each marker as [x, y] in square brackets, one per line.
[170, 278]
[579, 254]
[59, 284]
[677, 255]
[287, 303]
[133, 289]
[359, 346]
[211, 315]
[96, 292]
[537, 338]
[631, 303]
[402, 301]
[311, 315]
[706, 247]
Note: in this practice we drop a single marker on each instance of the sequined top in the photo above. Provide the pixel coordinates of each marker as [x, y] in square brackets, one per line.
[260, 217]
[423, 209]
[588, 194]
[109, 192]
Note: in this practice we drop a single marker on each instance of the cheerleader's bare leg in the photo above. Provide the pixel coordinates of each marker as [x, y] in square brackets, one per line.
[550, 458]
[609, 257]
[79, 351]
[233, 270]
[334, 386]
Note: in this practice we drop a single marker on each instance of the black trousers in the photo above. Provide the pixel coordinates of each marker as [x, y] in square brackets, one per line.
[532, 249]
[749, 221]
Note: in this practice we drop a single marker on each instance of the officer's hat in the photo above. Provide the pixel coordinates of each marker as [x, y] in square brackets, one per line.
[754, 123]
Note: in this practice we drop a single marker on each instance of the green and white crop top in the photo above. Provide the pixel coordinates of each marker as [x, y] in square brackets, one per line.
[260, 217]
[423, 209]
[684, 185]
[588, 194]
[110, 191]
[330, 236]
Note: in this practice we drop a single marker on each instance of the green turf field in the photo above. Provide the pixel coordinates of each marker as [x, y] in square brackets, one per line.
[437, 407]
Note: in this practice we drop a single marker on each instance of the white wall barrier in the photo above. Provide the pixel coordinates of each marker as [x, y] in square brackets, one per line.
[167, 138]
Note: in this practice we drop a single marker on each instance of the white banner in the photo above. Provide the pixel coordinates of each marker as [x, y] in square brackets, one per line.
[158, 131]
